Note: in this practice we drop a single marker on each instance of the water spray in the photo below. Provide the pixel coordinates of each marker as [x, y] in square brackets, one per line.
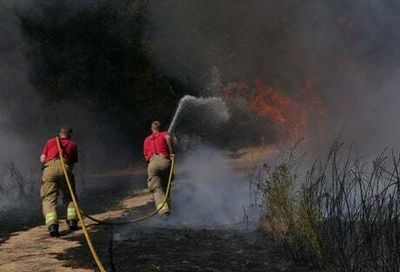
[214, 107]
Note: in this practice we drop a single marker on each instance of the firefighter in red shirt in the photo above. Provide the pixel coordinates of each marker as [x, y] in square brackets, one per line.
[158, 151]
[53, 180]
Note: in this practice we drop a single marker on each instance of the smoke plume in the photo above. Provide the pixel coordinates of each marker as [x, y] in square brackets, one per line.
[19, 122]
[347, 49]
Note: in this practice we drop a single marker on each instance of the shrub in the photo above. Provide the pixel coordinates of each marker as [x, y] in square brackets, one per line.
[343, 215]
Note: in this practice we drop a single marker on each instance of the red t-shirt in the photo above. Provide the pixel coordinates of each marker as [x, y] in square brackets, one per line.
[70, 150]
[156, 144]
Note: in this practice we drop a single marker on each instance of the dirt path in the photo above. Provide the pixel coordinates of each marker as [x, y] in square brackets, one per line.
[33, 250]
[137, 247]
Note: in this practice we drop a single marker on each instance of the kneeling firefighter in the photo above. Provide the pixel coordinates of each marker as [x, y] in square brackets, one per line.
[158, 152]
[53, 179]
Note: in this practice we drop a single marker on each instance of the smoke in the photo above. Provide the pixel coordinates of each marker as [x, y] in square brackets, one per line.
[348, 48]
[207, 193]
[20, 125]
[32, 107]
[28, 119]
[18, 99]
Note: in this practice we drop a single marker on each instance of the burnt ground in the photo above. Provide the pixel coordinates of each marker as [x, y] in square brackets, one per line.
[27, 247]
[160, 249]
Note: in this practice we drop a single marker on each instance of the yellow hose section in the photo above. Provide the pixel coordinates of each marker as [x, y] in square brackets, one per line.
[87, 236]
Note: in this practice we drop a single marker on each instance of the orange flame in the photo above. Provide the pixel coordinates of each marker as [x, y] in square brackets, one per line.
[288, 112]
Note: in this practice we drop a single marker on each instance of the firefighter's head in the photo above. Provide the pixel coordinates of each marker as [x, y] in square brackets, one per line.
[155, 126]
[66, 131]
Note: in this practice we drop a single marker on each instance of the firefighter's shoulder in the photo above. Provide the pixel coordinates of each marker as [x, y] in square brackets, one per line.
[51, 140]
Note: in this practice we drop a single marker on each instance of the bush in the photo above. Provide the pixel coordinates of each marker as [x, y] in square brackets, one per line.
[343, 215]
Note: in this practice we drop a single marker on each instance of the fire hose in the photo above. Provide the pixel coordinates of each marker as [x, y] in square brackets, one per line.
[80, 212]
[145, 217]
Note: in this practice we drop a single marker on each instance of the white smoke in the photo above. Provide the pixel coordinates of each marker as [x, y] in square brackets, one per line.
[207, 193]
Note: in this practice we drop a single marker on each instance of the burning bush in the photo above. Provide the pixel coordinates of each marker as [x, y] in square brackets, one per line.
[291, 114]
[344, 216]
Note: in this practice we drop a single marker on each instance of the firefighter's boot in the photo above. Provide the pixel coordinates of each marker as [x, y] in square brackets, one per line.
[163, 208]
[53, 230]
[73, 225]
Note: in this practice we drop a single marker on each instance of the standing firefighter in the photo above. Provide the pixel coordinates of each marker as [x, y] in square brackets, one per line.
[158, 152]
[53, 179]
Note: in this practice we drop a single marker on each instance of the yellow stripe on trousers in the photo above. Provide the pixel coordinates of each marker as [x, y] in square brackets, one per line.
[51, 217]
[72, 214]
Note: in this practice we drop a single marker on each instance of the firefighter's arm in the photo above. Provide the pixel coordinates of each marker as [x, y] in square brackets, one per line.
[170, 144]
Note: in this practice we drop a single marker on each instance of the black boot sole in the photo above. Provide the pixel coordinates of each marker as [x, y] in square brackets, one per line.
[53, 231]
[73, 225]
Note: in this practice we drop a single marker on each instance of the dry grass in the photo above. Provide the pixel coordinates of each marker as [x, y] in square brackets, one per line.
[16, 189]
[344, 215]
